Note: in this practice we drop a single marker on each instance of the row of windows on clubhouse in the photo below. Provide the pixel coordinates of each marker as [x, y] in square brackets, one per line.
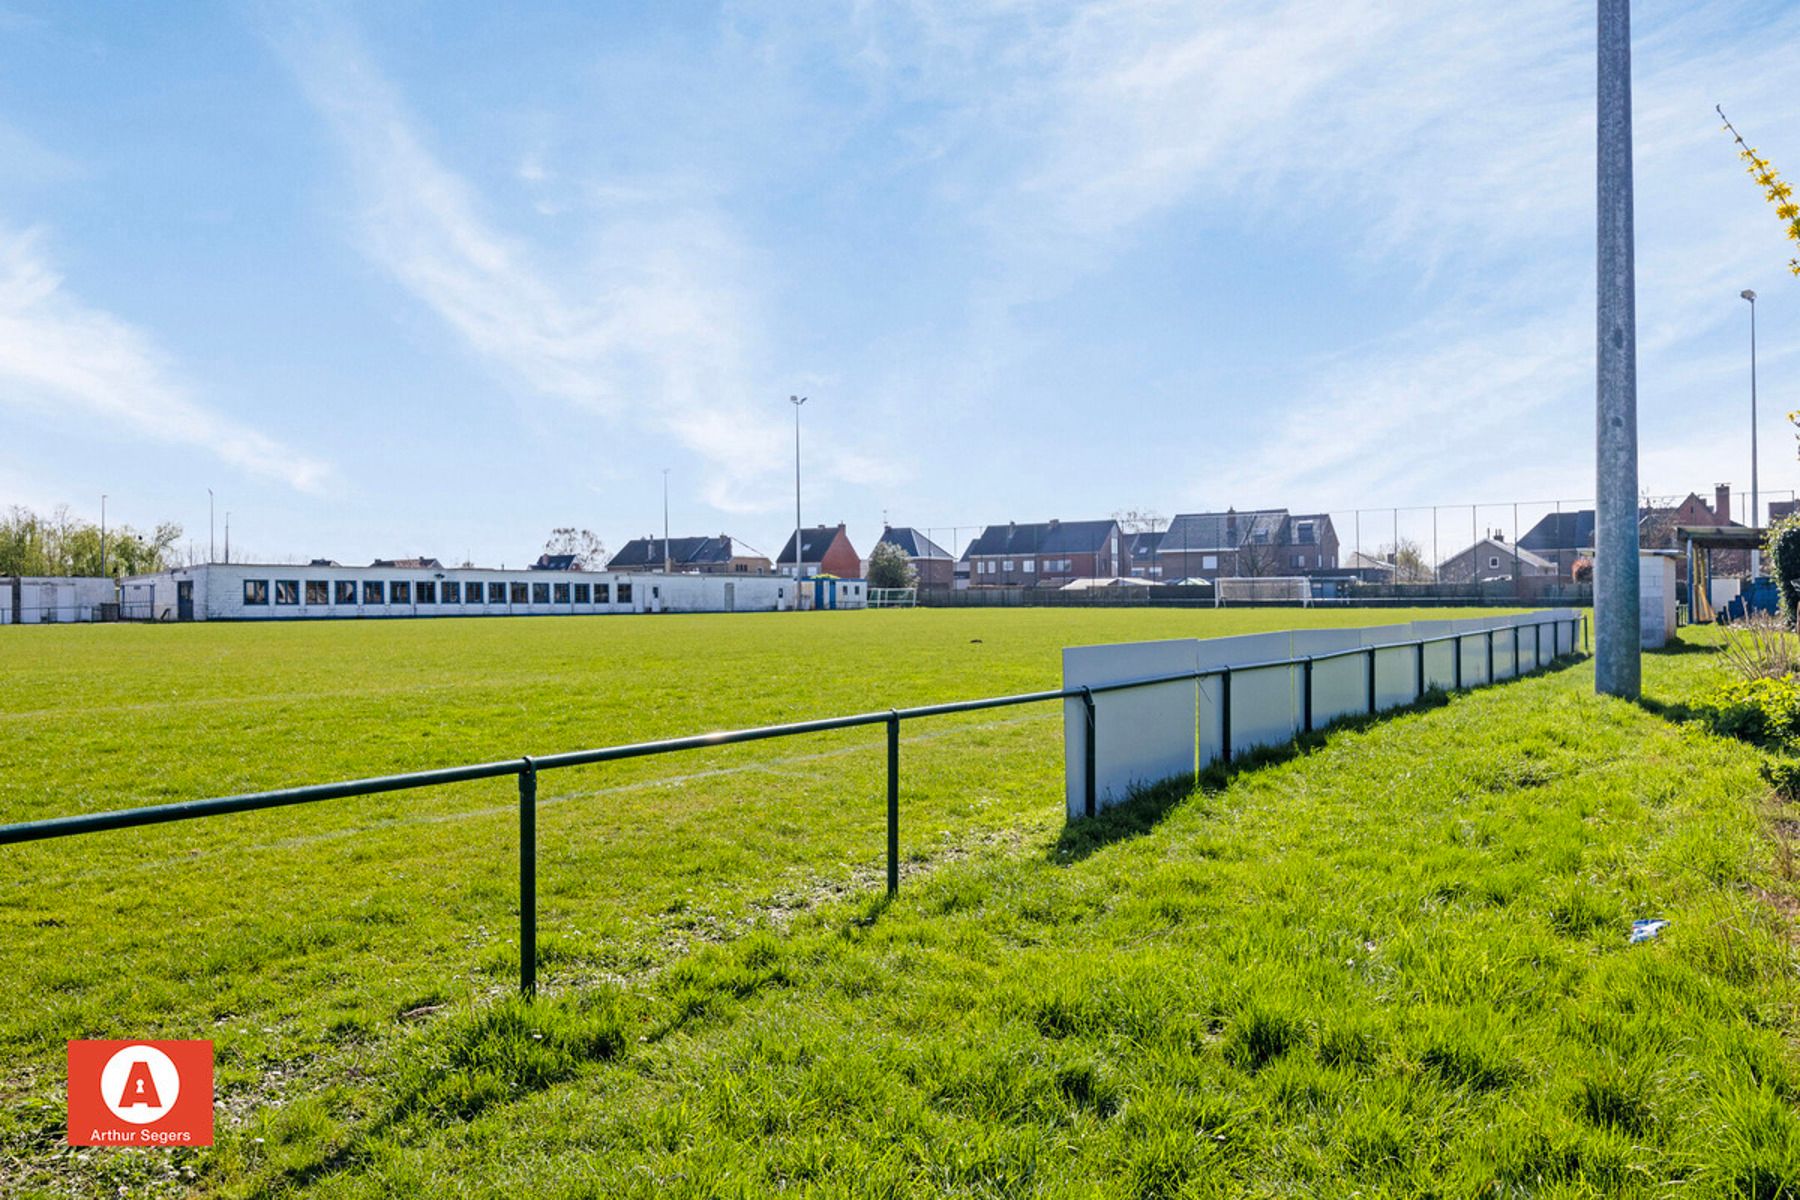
[374, 592]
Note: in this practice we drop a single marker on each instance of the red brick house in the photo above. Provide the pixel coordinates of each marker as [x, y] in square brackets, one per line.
[931, 562]
[824, 550]
[1049, 554]
[1255, 542]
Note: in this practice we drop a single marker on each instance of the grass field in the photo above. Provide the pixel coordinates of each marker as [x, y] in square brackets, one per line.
[1393, 963]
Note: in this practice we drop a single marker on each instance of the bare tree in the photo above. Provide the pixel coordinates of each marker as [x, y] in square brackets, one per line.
[1140, 520]
[584, 544]
[1409, 561]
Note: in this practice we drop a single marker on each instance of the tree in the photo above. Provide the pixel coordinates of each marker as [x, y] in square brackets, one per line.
[1257, 559]
[890, 568]
[1409, 562]
[60, 544]
[584, 544]
[1140, 520]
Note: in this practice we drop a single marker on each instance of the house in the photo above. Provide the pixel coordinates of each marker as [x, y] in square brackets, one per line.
[1492, 560]
[824, 550]
[554, 562]
[689, 555]
[932, 563]
[1255, 542]
[405, 564]
[1657, 525]
[1048, 554]
[1562, 537]
[1140, 554]
[1779, 509]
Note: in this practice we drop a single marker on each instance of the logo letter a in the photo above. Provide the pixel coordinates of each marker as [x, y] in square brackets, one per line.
[139, 1087]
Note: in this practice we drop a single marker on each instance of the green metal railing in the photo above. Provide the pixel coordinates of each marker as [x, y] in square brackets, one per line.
[527, 769]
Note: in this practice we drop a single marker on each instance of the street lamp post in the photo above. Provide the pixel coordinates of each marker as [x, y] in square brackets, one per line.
[668, 561]
[209, 526]
[1755, 503]
[799, 556]
[103, 535]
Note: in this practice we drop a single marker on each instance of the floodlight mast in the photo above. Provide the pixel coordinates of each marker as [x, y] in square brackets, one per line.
[1617, 656]
[799, 557]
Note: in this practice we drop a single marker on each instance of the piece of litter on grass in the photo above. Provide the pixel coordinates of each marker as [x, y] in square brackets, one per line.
[1646, 928]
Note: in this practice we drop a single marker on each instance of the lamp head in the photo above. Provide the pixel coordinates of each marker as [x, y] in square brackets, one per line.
[797, 401]
[1749, 295]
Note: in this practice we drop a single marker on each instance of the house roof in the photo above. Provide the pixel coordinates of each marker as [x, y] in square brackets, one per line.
[1047, 537]
[1224, 530]
[413, 564]
[912, 542]
[1561, 531]
[813, 545]
[683, 552]
[554, 562]
[1507, 551]
[1141, 547]
[1356, 560]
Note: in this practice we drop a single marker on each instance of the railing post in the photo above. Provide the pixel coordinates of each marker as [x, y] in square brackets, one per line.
[1306, 691]
[1225, 715]
[1537, 645]
[1516, 671]
[893, 802]
[1419, 683]
[1490, 654]
[1092, 780]
[1459, 650]
[528, 879]
[1372, 708]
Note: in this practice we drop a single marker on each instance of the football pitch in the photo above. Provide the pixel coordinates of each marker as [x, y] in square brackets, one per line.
[352, 960]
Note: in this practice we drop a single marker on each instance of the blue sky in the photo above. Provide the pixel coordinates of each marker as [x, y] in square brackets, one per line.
[433, 278]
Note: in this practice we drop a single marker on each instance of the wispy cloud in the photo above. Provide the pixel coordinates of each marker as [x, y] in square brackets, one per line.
[650, 323]
[62, 356]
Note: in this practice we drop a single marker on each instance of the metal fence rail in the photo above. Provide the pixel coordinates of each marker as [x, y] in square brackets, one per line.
[526, 769]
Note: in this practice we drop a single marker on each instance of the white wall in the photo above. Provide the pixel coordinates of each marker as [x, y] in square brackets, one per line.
[52, 600]
[220, 594]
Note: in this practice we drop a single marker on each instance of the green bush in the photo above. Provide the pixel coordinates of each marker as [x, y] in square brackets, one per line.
[1783, 553]
[1765, 712]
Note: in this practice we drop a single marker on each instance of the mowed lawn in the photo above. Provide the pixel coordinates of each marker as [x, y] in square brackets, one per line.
[1394, 962]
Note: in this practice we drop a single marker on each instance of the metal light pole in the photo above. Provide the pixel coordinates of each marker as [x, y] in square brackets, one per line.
[799, 555]
[228, 535]
[1755, 506]
[668, 562]
[1618, 669]
[209, 526]
[102, 535]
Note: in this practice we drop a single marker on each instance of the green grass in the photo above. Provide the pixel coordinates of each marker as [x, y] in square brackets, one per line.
[1393, 962]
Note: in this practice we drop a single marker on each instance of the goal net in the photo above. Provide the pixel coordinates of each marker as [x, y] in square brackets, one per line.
[1264, 589]
[893, 597]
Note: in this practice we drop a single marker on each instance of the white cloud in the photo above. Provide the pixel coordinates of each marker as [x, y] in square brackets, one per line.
[653, 324]
[61, 356]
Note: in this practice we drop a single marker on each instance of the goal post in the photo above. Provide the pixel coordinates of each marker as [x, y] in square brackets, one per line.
[893, 597]
[1263, 589]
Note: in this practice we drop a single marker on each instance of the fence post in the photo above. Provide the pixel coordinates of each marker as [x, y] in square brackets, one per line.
[1093, 787]
[1490, 654]
[1419, 665]
[528, 879]
[1537, 645]
[1306, 691]
[893, 799]
[1516, 671]
[1372, 708]
[1459, 650]
[1225, 715]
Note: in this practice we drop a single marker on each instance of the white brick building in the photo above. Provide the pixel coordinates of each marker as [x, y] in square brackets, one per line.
[52, 600]
[283, 591]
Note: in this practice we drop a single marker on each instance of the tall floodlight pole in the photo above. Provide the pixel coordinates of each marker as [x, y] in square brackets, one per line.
[209, 526]
[1755, 505]
[797, 401]
[668, 561]
[1617, 665]
[103, 534]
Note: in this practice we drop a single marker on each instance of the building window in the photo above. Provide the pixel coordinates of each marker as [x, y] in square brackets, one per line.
[561, 592]
[1303, 533]
[740, 568]
[581, 593]
[401, 591]
[287, 591]
[540, 593]
[497, 593]
[1493, 562]
[1007, 565]
[256, 591]
[520, 593]
[603, 593]
[1031, 566]
[624, 593]
[343, 592]
[452, 592]
[374, 592]
[1209, 562]
[317, 592]
[427, 591]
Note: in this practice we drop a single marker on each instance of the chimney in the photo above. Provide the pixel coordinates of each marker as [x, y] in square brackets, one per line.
[1722, 502]
[1054, 522]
